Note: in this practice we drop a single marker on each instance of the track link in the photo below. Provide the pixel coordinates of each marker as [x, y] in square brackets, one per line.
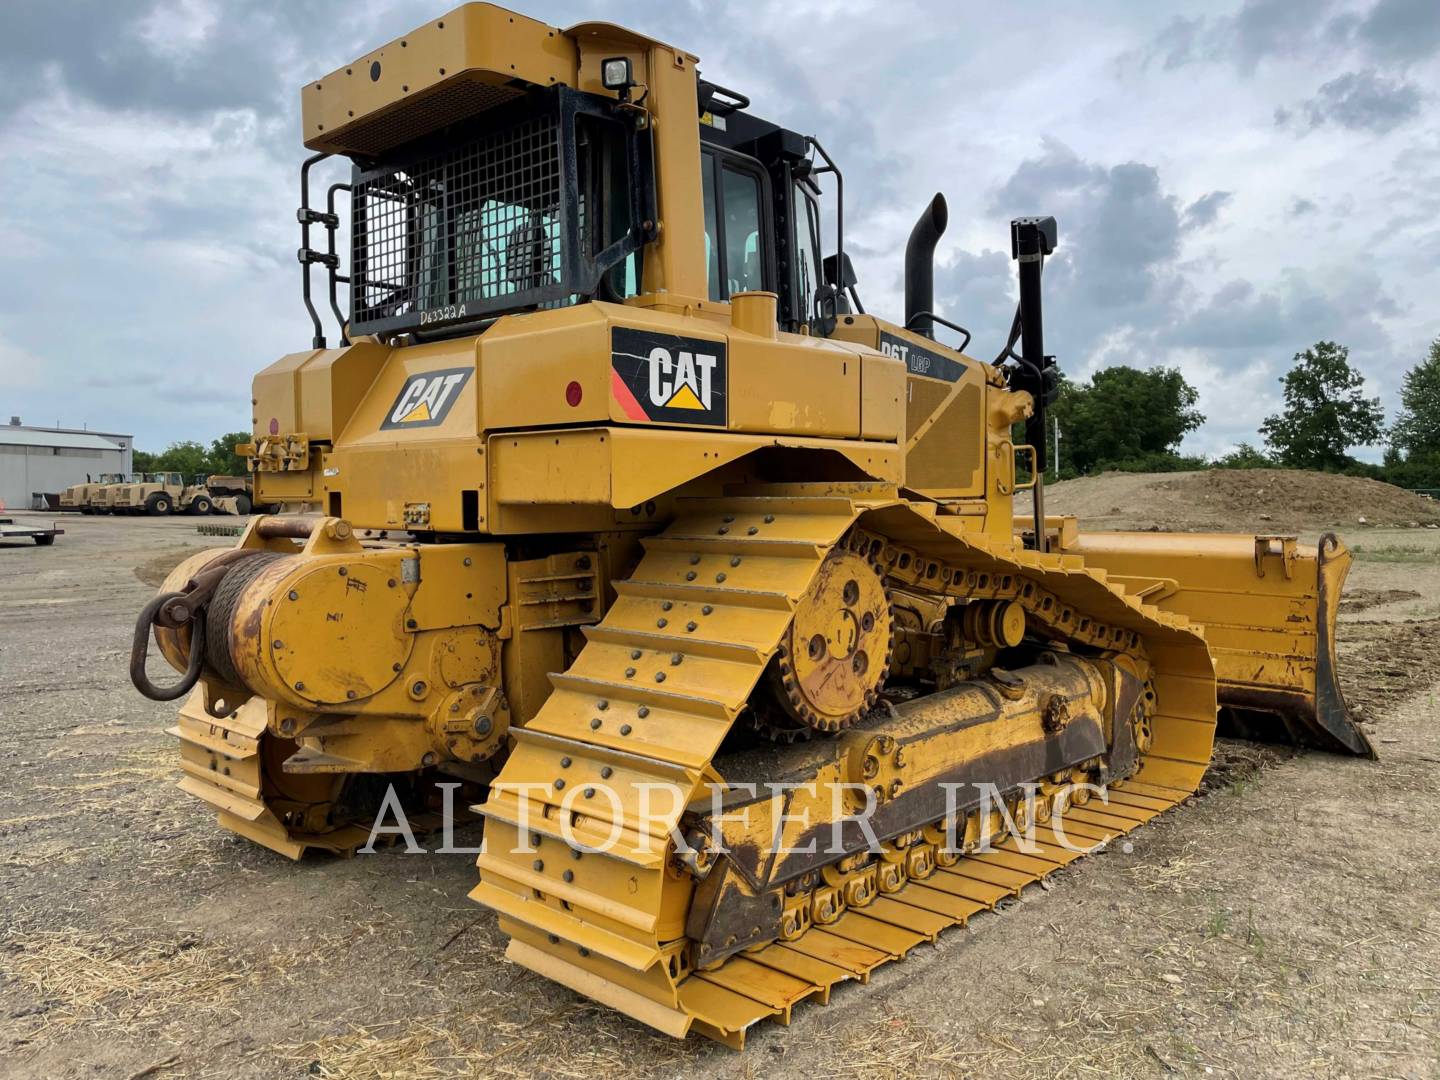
[660, 682]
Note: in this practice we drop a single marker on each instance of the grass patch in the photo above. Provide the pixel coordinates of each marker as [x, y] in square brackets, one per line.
[1218, 923]
[96, 980]
[1397, 553]
[1253, 937]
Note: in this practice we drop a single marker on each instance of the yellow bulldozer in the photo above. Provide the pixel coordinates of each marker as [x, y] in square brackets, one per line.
[705, 584]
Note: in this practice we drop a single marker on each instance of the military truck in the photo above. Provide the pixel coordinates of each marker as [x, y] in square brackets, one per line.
[154, 493]
[81, 497]
[104, 499]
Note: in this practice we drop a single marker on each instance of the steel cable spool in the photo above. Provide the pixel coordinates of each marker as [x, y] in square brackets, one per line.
[222, 612]
[166, 616]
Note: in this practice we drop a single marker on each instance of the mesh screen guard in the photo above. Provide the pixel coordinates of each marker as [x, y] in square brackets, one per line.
[528, 206]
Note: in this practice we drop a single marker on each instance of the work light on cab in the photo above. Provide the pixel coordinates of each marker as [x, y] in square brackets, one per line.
[616, 74]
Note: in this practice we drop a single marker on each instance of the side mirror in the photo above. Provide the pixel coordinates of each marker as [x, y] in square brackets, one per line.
[834, 267]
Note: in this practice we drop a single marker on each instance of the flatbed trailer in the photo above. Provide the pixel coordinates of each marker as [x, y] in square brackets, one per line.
[41, 534]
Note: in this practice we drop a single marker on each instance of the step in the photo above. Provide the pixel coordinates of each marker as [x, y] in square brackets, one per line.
[701, 594]
[673, 734]
[607, 690]
[726, 544]
[669, 643]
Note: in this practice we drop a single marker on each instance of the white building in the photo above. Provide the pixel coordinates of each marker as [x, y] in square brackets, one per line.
[48, 460]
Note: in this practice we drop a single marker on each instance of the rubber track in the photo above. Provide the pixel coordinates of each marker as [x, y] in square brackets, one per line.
[658, 684]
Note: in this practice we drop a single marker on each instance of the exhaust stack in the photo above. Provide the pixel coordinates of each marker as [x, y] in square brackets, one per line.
[920, 266]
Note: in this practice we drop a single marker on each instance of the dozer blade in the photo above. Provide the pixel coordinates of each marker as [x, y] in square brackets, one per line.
[1268, 606]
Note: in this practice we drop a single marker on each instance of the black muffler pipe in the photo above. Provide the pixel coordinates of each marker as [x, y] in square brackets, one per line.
[920, 266]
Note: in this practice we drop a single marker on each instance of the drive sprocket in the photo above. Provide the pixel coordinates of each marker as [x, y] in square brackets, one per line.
[835, 654]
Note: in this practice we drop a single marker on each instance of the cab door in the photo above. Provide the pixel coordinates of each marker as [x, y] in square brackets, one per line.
[738, 254]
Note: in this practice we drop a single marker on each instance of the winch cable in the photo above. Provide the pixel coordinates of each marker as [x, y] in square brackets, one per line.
[172, 611]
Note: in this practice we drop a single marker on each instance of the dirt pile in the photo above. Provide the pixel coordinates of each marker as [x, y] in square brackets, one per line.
[1246, 500]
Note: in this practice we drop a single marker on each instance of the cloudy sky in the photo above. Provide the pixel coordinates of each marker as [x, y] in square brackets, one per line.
[1234, 180]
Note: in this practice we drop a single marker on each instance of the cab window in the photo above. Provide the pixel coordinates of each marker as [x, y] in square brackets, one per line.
[712, 230]
[807, 250]
[736, 255]
[742, 232]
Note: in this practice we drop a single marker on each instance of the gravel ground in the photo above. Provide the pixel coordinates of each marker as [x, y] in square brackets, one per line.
[1284, 923]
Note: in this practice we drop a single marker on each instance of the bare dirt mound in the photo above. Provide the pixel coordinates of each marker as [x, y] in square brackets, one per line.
[153, 571]
[1230, 500]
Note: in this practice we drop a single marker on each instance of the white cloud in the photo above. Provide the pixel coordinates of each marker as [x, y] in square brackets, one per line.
[177, 29]
[149, 154]
[20, 370]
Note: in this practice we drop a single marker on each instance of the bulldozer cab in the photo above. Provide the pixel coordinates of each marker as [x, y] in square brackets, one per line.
[535, 173]
[551, 169]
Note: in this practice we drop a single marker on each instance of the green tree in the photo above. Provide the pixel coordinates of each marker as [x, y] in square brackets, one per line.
[1417, 427]
[1416, 469]
[1245, 456]
[188, 457]
[1326, 411]
[1126, 418]
[194, 458]
[223, 458]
